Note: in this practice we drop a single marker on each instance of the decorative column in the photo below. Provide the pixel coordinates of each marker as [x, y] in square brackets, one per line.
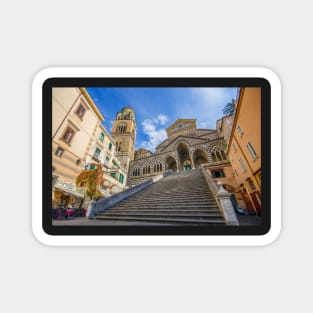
[192, 163]
[226, 204]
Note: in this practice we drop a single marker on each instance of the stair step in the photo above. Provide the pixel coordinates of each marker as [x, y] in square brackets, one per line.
[167, 203]
[178, 199]
[135, 209]
[164, 219]
[164, 215]
[165, 208]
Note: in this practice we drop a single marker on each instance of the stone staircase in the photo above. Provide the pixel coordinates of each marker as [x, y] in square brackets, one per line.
[182, 198]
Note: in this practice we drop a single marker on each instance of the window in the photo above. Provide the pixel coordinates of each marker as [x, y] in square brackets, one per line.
[251, 183]
[219, 158]
[113, 175]
[118, 146]
[97, 153]
[121, 178]
[78, 162]
[110, 146]
[68, 135]
[251, 150]
[239, 130]
[243, 166]
[59, 152]
[234, 148]
[218, 174]
[106, 162]
[80, 111]
[236, 173]
[101, 137]
[121, 128]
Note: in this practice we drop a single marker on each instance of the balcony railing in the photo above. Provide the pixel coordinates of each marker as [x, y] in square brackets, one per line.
[96, 157]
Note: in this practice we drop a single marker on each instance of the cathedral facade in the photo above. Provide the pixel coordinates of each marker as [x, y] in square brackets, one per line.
[186, 147]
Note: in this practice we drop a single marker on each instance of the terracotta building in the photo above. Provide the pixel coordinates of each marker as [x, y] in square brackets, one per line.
[244, 148]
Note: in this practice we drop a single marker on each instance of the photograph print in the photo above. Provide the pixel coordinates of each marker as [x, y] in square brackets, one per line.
[156, 157]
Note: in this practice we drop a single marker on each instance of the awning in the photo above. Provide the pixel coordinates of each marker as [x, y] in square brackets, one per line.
[70, 192]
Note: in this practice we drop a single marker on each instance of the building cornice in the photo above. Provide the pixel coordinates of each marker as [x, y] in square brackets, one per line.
[91, 103]
[238, 107]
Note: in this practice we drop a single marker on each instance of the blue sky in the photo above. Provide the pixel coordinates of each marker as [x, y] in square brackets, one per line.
[157, 108]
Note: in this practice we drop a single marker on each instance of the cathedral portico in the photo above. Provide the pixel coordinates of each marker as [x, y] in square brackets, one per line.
[183, 156]
[171, 164]
[199, 157]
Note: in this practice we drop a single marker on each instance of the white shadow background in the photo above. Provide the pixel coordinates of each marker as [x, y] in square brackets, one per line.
[37, 34]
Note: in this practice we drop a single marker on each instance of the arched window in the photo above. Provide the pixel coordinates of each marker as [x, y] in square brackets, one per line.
[121, 128]
[218, 155]
[223, 155]
[160, 167]
[118, 146]
[214, 157]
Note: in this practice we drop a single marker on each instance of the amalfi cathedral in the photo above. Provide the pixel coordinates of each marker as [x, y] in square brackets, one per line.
[186, 147]
[184, 180]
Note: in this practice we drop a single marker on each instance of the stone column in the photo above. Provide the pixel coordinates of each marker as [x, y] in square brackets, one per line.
[192, 163]
[227, 206]
[177, 164]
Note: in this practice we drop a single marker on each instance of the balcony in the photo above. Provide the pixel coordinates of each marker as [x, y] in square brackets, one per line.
[96, 157]
[106, 165]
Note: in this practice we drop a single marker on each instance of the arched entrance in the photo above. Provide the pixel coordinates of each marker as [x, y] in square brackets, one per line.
[199, 157]
[183, 157]
[171, 164]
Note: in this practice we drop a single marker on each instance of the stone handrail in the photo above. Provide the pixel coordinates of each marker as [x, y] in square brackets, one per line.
[95, 207]
[167, 173]
[222, 198]
[157, 177]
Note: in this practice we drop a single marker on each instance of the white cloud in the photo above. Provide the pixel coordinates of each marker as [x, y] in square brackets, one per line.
[204, 125]
[206, 105]
[211, 95]
[155, 135]
[161, 119]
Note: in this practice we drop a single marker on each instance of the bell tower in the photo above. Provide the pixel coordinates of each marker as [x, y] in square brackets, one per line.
[124, 135]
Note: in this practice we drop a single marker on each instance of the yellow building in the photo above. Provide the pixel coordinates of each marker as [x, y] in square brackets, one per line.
[103, 151]
[75, 119]
[244, 148]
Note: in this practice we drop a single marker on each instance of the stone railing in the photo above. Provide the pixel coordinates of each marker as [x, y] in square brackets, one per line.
[96, 207]
[157, 177]
[222, 198]
[167, 173]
